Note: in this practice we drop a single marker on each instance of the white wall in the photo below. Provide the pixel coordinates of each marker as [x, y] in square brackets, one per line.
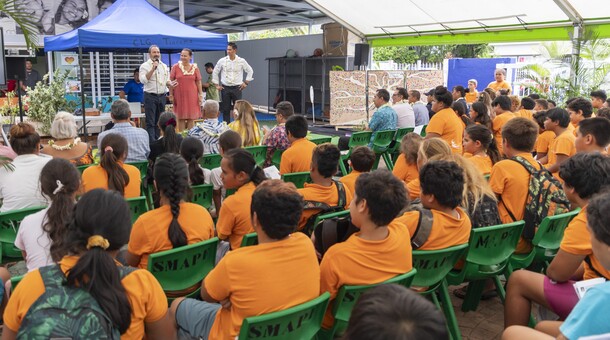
[256, 51]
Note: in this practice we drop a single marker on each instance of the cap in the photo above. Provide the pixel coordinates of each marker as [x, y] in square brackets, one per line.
[429, 93]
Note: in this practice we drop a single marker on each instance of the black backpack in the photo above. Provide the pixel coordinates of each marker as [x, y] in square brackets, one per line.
[486, 214]
[324, 208]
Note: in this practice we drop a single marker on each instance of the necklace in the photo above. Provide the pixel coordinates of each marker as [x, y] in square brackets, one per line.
[64, 147]
[190, 72]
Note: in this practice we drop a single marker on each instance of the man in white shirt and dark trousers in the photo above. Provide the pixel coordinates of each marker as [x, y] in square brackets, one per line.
[231, 82]
[154, 74]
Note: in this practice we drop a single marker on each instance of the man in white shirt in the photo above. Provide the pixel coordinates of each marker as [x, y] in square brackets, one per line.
[404, 111]
[154, 74]
[231, 82]
[419, 108]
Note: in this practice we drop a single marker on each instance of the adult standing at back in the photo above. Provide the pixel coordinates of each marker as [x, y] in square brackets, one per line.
[445, 123]
[32, 77]
[404, 111]
[228, 78]
[188, 94]
[154, 74]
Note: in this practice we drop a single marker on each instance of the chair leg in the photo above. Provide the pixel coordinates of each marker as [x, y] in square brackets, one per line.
[447, 308]
[499, 288]
[387, 158]
[342, 167]
[473, 295]
[376, 164]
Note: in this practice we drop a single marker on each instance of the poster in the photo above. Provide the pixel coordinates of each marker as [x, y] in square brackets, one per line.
[69, 59]
[73, 86]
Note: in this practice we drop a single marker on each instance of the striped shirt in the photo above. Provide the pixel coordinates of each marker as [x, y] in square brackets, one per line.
[208, 132]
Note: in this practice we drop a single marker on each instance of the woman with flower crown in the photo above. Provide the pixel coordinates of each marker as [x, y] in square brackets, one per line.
[65, 143]
[187, 96]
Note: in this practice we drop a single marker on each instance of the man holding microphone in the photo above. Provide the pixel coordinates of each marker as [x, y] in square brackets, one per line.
[154, 74]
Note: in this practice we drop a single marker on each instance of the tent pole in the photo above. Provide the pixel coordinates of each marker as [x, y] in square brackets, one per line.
[82, 91]
[576, 42]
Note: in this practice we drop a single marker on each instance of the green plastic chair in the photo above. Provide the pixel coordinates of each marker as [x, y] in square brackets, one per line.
[277, 157]
[545, 243]
[15, 281]
[184, 267]
[298, 178]
[394, 150]
[250, 239]
[432, 267]
[348, 296]
[488, 256]
[357, 139]
[142, 166]
[81, 168]
[137, 206]
[144, 187]
[211, 161]
[320, 140]
[487, 177]
[299, 322]
[202, 195]
[259, 152]
[381, 143]
[423, 131]
[9, 225]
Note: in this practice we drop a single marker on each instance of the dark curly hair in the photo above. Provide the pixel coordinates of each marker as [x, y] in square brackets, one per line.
[278, 207]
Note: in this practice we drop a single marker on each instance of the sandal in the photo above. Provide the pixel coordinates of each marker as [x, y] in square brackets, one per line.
[461, 293]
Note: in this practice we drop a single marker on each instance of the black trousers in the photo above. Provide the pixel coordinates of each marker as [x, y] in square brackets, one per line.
[229, 95]
[154, 105]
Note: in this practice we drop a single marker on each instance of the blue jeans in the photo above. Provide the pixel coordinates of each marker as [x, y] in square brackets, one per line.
[154, 105]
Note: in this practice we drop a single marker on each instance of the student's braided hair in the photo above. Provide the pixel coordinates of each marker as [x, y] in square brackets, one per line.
[172, 178]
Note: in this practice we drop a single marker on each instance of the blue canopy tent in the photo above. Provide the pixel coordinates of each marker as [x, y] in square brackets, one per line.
[133, 25]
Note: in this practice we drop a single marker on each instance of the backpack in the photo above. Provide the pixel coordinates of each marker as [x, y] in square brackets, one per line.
[64, 312]
[332, 231]
[324, 208]
[486, 214]
[545, 197]
[424, 225]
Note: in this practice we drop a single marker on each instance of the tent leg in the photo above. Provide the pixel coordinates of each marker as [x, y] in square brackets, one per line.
[82, 92]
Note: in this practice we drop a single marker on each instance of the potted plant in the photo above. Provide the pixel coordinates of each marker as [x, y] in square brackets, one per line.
[47, 99]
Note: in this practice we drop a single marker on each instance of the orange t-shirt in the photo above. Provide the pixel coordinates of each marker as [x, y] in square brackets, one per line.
[483, 163]
[524, 113]
[544, 140]
[471, 97]
[297, 158]
[499, 86]
[511, 180]
[404, 171]
[148, 302]
[414, 188]
[234, 217]
[497, 125]
[149, 233]
[319, 193]
[562, 145]
[362, 262]
[95, 177]
[349, 180]
[450, 127]
[577, 241]
[261, 279]
[447, 231]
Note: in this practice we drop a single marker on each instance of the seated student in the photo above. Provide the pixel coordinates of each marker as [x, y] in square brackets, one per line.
[541, 105]
[323, 188]
[501, 106]
[394, 312]
[584, 175]
[169, 140]
[479, 142]
[42, 232]
[593, 135]
[515, 103]
[442, 188]
[545, 137]
[240, 172]
[604, 112]
[509, 179]
[562, 147]
[552, 104]
[458, 108]
[405, 167]
[175, 223]
[229, 140]
[210, 130]
[598, 97]
[382, 247]
[361, 160]
[112, 173]
[579, 109]
[192, 150]
[428, 148]
[526, 107]
[297, 157]
[589, 316]
[445, 123]
[135, 304]
[257, 279]
[480, 114]
[277, 139]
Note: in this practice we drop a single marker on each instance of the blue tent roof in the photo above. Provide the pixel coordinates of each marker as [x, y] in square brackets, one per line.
[135, 25]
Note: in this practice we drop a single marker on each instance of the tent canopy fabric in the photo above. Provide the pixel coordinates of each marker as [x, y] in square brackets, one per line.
[434, 22]
[134, 25]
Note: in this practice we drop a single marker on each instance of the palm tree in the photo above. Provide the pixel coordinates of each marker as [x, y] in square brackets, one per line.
[16, 11]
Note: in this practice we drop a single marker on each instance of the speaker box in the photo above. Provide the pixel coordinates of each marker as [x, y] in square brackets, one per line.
[361, 55]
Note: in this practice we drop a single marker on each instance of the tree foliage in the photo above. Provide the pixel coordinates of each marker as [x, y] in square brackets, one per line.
[430, 54]
[16, 10]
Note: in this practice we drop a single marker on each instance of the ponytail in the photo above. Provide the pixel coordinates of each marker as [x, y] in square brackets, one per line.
[485, 136]
[257, 176]
[171, 176]
[191, 150]
[113, 147]
[167, 123]
[241, 160]
[493, 152]
[196, 175]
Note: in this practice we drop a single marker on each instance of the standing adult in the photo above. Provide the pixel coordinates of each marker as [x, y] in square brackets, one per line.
[231, 82]
[133, 89]
[31, 77]
[188, 94]
[211, 92]
[154, 74]
[404, 111]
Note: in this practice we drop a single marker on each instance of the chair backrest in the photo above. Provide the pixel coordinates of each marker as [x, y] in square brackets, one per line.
[250, 239]
[400, 132]
[383, 139]
[320, 140]
[202, 195]
[550, 231]
[298, 178]
[360, 138]
[490, 248]
[15, 281]
[183, 267]
[348, 296]
[277, 157]
[142, 166]
[137, 206]
[299, 322]
[423, 131]
[82, 168]
[9, 225]
[433, 265]
[211, 161]
[259, 152]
